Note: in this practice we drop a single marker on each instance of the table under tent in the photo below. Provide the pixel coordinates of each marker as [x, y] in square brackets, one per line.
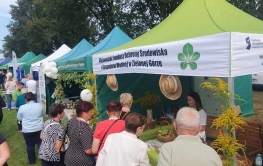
[215, 43]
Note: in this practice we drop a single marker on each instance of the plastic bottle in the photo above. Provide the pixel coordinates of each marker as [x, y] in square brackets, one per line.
[259, 160]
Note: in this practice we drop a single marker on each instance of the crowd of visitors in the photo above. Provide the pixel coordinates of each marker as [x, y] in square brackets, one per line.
[114, 141]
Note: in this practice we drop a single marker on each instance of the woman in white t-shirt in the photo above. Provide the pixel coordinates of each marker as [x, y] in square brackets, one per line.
[194, 101]
[10, 86]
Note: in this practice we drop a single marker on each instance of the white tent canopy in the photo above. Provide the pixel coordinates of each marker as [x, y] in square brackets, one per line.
[221, 55]
[55, 55]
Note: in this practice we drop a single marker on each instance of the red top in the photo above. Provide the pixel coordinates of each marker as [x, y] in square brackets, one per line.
[103, 126]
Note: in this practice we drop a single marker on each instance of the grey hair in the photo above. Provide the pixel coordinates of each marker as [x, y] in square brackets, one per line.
[126, 99]
[188, 119]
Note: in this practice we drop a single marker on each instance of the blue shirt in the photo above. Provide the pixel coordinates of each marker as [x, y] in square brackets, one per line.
[31, 115]
[25, 82]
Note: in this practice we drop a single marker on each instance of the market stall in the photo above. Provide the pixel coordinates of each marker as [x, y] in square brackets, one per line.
[114, 39]
[26, 66]
[217, 43]
[47, 86]
[82, 64]
[205, 46]
[25, 58]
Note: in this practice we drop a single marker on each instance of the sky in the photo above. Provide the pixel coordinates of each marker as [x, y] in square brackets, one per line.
[5, 18]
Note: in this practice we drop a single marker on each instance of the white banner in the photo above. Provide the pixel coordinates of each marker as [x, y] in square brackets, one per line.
[202, 56]
[42, 88]
[15, 65]
[247, 53]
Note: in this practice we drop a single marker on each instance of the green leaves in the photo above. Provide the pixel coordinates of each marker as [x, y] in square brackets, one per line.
[188, 57]
[188, 50]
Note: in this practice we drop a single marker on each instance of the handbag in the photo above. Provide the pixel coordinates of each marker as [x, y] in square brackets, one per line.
[106, 134]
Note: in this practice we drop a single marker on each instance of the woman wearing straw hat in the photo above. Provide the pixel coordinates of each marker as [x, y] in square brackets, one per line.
[194, 101]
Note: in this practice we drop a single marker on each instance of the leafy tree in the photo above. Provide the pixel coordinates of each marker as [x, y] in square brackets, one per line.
[248, 6]
[135, 17]
[42, 26]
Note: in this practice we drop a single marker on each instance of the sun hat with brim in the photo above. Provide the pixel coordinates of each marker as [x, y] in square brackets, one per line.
[170, 86]
[112, 82]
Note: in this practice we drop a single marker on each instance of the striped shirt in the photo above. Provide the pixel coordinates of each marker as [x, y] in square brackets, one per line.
[52, 131]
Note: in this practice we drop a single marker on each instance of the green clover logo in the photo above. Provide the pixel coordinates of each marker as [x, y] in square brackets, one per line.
[188, 57]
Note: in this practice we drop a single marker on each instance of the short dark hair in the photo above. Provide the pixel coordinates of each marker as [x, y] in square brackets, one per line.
[56, 109]
[134, 120]
[29, 96]
[114, 106]
[83, 106]
[20, 83]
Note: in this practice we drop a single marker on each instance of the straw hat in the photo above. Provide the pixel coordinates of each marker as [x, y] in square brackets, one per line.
[170, 86]
[112, 82]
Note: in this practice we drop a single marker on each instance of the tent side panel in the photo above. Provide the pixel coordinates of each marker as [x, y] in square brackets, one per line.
[137, 85]
[243, 88]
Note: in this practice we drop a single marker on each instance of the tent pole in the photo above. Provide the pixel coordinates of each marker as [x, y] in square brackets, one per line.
[231, 86]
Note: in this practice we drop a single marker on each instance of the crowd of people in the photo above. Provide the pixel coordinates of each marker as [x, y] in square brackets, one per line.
[23, 94]
[114, 141]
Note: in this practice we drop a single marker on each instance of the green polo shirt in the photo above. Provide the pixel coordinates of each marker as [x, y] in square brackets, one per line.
[15, 93]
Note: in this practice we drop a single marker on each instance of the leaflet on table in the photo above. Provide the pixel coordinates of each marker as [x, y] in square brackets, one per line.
[154, 144]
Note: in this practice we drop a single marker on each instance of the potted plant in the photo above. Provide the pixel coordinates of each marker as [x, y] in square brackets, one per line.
[148, 101]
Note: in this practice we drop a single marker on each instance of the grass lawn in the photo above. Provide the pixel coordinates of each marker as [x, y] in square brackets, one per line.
[15, 140]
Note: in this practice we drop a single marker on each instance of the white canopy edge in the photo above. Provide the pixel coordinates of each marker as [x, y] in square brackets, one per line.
[18, 64]
[55, 55]
[221, 55]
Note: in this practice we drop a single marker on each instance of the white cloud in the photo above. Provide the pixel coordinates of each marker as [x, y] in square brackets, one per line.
[5, 7]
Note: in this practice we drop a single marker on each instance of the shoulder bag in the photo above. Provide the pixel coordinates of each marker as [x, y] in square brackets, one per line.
[106, 133]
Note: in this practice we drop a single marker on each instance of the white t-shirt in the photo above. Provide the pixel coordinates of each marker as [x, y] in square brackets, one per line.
[123, 149]
[31, 86]
[203, 117]
[9, 74]
[10, 86]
